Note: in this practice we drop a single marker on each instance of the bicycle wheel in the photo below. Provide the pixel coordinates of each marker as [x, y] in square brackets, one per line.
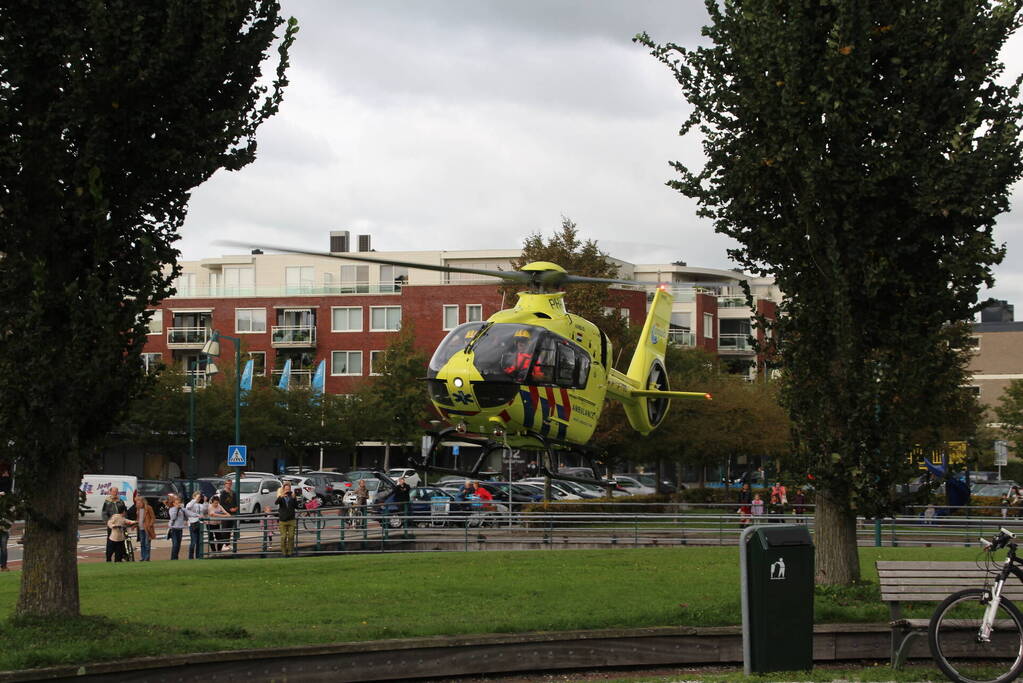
[953, 635]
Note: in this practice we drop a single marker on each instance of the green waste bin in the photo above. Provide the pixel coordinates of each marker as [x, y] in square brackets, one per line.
[777, 592]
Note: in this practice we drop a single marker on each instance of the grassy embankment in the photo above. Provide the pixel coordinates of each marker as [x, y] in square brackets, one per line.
[177, 607]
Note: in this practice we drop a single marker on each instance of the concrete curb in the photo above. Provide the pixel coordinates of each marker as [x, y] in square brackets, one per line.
[442, 656]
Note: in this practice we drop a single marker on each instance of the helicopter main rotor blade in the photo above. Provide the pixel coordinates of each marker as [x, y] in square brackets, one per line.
[513, 275]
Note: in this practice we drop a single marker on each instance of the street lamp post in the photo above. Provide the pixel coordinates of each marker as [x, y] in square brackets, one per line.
[212, 348]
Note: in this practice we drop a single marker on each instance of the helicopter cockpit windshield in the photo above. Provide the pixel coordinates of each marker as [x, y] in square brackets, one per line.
[524, 354]
[457, 340]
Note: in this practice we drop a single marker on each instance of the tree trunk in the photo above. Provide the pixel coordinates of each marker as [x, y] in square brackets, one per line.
[838, 561]
[49, 576]
[387, 456]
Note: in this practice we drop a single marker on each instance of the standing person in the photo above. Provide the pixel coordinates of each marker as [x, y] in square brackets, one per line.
[145, 521]
[228, 501]
[532, 468]
[484, 495]
[287, 504]
[115, 541]
[112, 505]
[745, 499]
[362, 500]
[194, 512]
[779, 490]
[799, 505]
[468, 489]
[218, 516]
[176, 526]
[402, 496]
[757, 507]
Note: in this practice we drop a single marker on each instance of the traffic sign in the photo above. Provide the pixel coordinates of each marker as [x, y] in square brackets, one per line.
[237, 456]
[1001, 452]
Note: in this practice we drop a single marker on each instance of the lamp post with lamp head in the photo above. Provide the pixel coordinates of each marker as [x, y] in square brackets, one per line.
[212, 349]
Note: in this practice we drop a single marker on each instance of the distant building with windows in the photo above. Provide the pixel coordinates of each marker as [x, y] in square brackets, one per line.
[305, 308]
[997, 342]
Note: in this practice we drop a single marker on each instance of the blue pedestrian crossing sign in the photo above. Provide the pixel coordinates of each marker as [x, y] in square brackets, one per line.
[237, 456]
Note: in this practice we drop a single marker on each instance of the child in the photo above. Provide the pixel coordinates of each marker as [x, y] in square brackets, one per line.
[758, 508]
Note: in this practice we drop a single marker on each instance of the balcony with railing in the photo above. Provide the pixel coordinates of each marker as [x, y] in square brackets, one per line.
[735, 343]
[681, 338]
[732, 302]
[197, 378]
[300, 378]
[293, 336]
[187, 337]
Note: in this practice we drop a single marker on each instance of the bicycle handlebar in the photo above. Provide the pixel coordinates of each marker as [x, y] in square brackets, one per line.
[1001, 540]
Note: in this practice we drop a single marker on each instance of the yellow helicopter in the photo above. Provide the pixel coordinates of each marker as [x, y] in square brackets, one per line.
[535, 376]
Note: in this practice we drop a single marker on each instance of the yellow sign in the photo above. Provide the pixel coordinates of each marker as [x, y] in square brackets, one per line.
[956, 451]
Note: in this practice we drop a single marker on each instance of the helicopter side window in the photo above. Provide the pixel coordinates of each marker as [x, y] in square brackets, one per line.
[456, 341]
[544, 367]
[582, 369]
[566, 366]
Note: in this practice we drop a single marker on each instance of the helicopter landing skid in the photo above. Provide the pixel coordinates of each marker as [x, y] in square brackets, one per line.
[437, 438]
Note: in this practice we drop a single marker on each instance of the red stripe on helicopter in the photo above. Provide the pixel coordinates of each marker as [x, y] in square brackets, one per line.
[505, 416]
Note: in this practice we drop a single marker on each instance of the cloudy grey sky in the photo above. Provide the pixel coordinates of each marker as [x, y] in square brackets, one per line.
[469, 124]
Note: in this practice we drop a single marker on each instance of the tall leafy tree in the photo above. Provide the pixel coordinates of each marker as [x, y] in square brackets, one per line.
[582, 257]
[396, 400]
[110, 113]
[1010, 413]
[859, 152]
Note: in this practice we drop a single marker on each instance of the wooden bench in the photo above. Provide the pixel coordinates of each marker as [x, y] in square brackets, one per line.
[932, 582]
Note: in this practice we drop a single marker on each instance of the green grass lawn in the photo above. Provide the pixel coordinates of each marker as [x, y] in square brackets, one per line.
[174, 607]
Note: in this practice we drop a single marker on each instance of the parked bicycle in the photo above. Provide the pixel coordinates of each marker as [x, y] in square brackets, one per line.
[976, 635]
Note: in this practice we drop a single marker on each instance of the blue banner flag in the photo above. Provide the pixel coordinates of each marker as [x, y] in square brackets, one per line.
[319, 378]
[285, 382]
[246, 383]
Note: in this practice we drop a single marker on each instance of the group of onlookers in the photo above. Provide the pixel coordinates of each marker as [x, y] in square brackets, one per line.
[752, 506]
[140, 518]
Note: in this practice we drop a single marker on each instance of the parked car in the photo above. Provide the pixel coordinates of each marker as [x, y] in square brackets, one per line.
[208, 486]
[155, 492]
[330, 486]
[582, 472]
[994, 489]
[411, 476]
[558, 489]
[428, 506]
[298, 469]
[650, 480]
[633, 485]
[379, 485]
[258, 494]
[303, 487]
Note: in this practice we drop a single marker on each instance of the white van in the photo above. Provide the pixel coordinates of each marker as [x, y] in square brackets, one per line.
[97, 488]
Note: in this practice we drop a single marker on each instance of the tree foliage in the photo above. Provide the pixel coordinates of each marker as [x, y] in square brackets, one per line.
[110, 114]
[396, 402]
[590, 301]
[1010, 413]
[859, 152]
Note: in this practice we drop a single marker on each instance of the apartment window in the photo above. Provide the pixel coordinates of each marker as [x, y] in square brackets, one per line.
[239, 280]
[155, 323]
[354, 279]
[624, 313]
[298, 279]
[376, 359]
[185, 285]
[258, 359]
[346, 363]
[973, 343]
[450, 317]
[152, 361]
[974, 390]
[708, 325]
[473, 313]
[392, 278]
[384, 318]
[214, 284]
[346, 319]
[250, 320]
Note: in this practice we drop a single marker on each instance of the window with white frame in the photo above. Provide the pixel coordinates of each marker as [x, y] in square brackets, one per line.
[152, 361]
[258, 362]
[250, 320]
[184, 285]
[708, 325]
[473, 313]
[346, 363]
[155, 323]
[624, 313]
[298, 279]
[376, 360]
[354, 279]
[450, 317]
[346, 319]
[384, 318]
[239, 280]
